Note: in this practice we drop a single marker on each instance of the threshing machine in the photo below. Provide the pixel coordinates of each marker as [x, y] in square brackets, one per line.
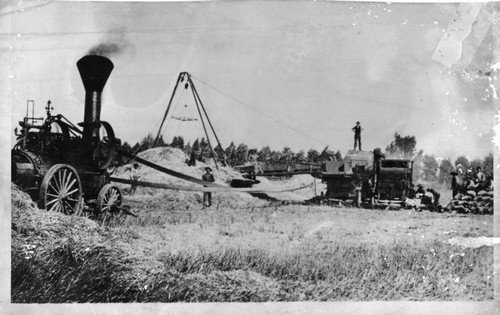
[367, 179]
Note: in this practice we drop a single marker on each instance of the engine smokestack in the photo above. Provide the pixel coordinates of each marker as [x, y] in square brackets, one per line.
[94, 71]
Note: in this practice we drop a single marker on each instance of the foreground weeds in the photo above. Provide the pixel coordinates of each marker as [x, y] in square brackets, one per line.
[69, 274]
[342, 273]
[58, 259]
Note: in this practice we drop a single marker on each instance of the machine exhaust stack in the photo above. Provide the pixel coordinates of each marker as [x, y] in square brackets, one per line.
[94, 71]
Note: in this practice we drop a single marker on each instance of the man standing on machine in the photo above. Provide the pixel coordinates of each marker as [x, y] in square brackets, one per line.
[357, 135]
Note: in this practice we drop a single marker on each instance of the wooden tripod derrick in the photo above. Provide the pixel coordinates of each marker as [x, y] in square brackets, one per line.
[200, 108]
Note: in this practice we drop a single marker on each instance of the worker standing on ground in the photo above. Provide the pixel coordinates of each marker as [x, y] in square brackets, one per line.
[207, 196]
[357, 135]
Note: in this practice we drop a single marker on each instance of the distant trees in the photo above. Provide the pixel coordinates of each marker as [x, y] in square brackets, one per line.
[404, 147]
[177, 142]
[126, 146]
[425, 167]
[146, 143]
[462, 162]
[286, 155]
[219, 151]
[264, 154]
[445, 169]
[300, 157]
[429, 168]
[231, 153]
[312, 156]
[488, 165]
[238, 155]
[326, 155]
[418, 165]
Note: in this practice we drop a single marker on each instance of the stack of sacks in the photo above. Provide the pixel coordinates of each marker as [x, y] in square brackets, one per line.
[472, 202]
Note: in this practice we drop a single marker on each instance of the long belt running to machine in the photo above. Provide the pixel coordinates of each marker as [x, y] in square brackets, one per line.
[209, 186]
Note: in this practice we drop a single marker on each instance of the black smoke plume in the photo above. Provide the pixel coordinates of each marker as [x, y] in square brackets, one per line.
[114, 44]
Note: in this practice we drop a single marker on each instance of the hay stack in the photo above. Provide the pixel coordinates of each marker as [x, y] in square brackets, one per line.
[175, 159]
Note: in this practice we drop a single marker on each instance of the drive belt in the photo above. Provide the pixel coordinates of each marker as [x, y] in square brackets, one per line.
[217, 188]
[209, 186]
[169, 171]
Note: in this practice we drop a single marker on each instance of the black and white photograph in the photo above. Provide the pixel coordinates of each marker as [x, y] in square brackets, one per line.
[249, 156]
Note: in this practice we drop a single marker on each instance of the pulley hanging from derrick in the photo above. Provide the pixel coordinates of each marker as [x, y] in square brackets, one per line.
[188, 83]
[184, 115]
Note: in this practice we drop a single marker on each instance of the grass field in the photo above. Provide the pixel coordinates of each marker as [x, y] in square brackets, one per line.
[178, 251]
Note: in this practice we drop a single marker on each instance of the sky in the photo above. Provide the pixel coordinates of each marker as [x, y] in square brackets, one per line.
[295, 74]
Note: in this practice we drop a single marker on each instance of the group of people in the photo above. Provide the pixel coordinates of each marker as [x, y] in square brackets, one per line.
[477, 181]
[429, 197]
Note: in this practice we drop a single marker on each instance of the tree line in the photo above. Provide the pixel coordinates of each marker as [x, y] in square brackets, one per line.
[426, 167]
[239, 154]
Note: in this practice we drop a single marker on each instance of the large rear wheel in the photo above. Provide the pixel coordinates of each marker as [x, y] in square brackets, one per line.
[61, 190]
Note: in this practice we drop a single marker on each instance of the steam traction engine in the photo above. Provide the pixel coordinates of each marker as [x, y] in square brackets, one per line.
[64, 166]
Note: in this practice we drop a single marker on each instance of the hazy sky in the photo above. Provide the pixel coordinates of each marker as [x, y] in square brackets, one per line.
[316, 67]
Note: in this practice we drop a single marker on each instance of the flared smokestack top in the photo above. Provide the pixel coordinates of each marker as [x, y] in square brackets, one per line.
[94, 71]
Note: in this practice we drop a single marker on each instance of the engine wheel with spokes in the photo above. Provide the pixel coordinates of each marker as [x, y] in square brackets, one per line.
[61, 190]
[109, 202]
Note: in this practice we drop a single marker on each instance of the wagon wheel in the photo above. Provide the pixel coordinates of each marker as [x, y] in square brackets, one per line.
[109, 202]
[61, 190]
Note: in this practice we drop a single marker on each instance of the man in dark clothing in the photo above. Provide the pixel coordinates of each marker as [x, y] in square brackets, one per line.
[435, 197]
[357, 135]
[420, 189]
[208, 177]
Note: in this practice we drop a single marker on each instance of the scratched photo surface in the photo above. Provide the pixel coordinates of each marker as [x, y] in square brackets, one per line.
[250, 152]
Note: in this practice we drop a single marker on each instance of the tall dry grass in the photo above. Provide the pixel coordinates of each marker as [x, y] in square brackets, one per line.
[57, 259]
[344, 273]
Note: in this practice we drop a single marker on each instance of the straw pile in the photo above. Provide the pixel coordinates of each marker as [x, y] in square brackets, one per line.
[175, 159]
